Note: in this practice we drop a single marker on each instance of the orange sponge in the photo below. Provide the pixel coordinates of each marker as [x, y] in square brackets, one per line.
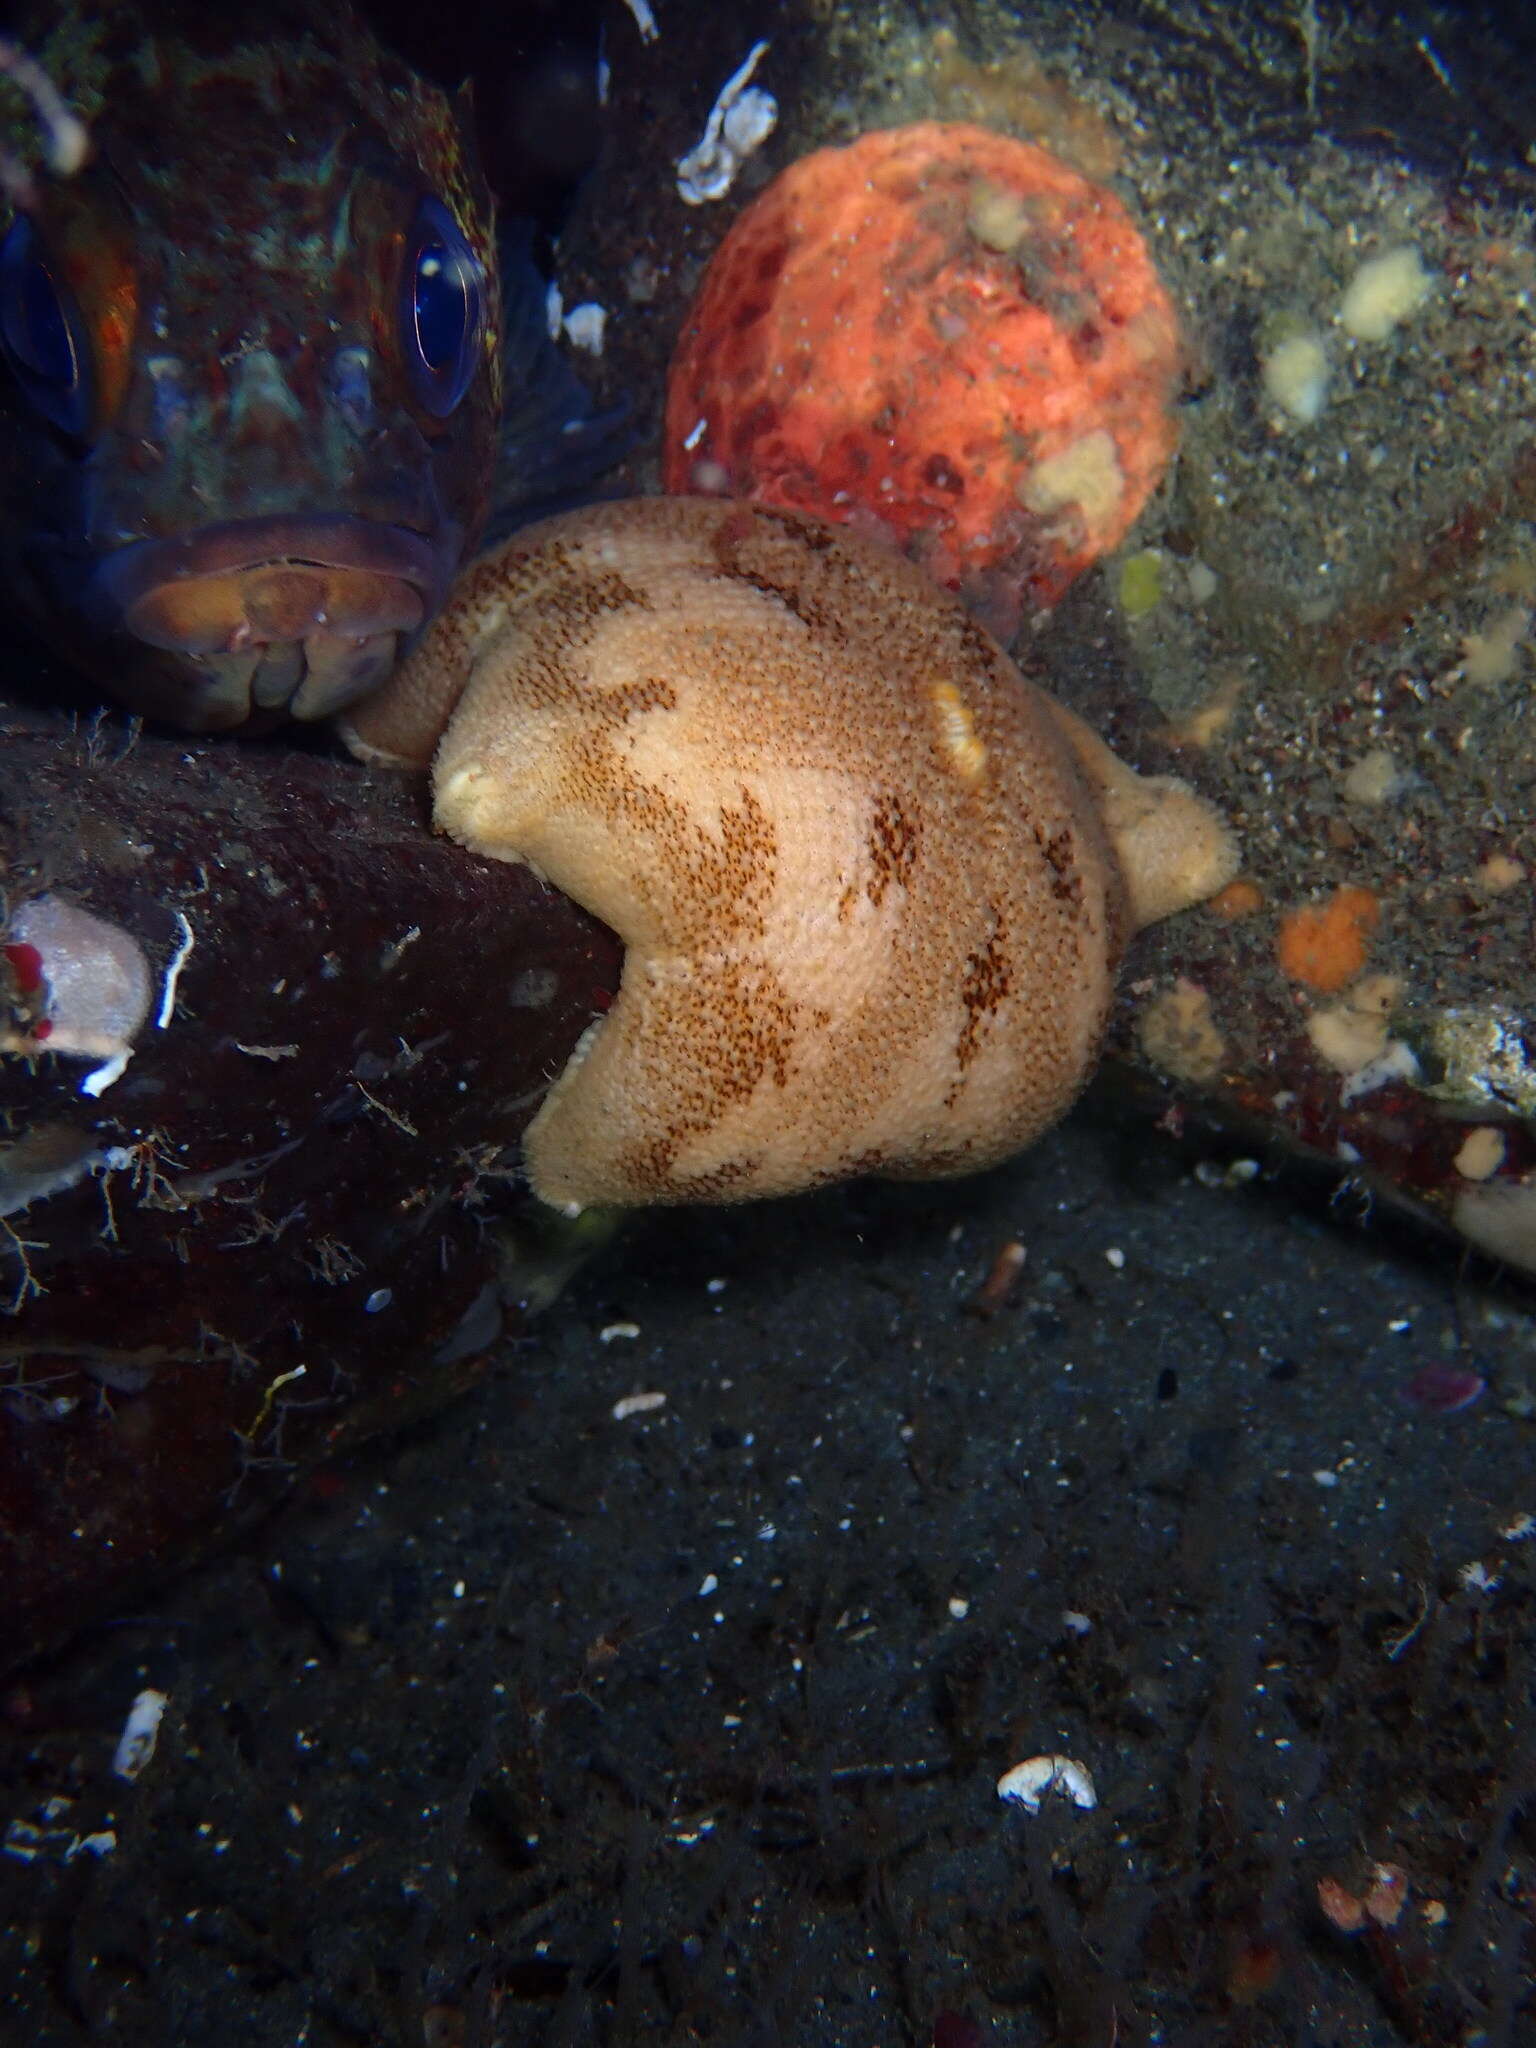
[944, 336]
[1324, 945]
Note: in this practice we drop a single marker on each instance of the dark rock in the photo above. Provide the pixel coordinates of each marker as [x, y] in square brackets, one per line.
[268, 1235]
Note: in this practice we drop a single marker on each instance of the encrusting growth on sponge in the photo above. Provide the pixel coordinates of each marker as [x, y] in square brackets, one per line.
[872, 882]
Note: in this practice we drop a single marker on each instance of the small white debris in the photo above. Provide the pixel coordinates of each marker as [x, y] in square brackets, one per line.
[177, 961]
[1076, 1624]
[1477, 1578]
[1116, 1258]
[51, 1837]
[716, 1286]
[711, 1584]
[740, 121]
[1325, 1478]
[1396, 1062]
[554, 309]
[584, 326]
[100, 1079]
[637, 1404]
[611, 1332]
[645, 20]
[141, 1731]
[1519, 1529]
[696, 432]
[393, 953]
[958, 1608]
[1028, 1783]
[1236, 1174]
[102, 1843]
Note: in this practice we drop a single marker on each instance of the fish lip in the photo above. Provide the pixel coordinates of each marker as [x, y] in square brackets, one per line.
[256, 680]
[337, 540]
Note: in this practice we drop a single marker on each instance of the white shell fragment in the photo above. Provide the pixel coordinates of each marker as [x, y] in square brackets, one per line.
[141, 1731]
[1028, 1783]
[584, 325]
[1396, 1062]
[637, 1404]
[50, 1838]
[185, 941]
[97, 984]
[741, 120]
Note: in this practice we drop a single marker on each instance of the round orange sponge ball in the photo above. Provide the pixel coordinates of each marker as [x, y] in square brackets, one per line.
[944, 336]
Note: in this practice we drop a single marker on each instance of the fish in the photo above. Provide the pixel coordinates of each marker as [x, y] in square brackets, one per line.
[258, 360]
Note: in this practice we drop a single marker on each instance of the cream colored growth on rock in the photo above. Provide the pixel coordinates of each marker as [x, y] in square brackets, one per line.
[862, 867]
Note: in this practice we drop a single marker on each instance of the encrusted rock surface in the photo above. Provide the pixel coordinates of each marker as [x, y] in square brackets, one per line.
[269, 1234]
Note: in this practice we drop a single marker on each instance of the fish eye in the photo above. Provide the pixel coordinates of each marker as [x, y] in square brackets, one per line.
[442, 309]
[40, 332]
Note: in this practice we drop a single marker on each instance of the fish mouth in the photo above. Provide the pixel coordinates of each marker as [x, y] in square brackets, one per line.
[260, 620]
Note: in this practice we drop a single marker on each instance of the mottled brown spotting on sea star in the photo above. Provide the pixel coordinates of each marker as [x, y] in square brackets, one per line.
[555, 588]
[860, 863]
[804, 609]
[986, 987]
[893, 842]
[577, 600]
[1057, 849]
[647, 1164]
[813, 535]
[856, 1165]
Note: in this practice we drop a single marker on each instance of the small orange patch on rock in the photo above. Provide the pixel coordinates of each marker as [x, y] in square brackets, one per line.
[943, 336]
[1242, 897]
[1324, 945]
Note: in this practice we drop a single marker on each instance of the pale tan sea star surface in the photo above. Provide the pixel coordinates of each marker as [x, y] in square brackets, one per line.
[873, 883]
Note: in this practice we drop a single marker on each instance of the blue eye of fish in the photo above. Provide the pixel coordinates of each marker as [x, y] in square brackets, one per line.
[40, 332]
[442, 311]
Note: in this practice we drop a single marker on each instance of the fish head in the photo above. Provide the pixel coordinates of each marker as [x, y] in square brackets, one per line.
[254, 359]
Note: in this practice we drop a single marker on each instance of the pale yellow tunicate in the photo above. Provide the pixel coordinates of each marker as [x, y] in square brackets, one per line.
[1382, 293]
